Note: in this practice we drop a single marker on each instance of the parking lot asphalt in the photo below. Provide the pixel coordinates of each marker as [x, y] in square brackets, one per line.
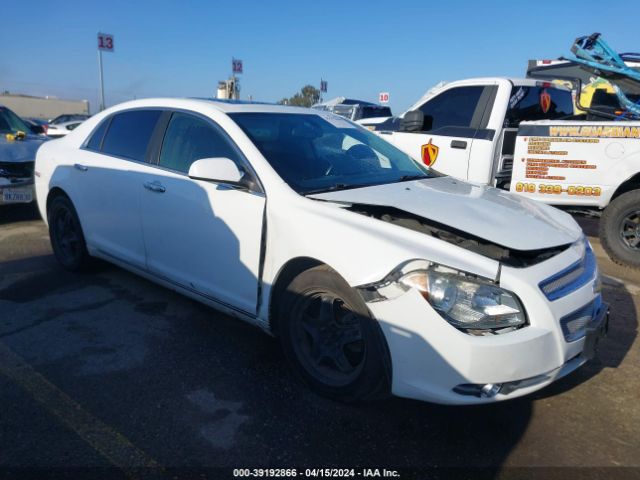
[107, 370]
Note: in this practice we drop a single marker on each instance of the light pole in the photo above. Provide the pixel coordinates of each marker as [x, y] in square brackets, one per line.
[101, 80]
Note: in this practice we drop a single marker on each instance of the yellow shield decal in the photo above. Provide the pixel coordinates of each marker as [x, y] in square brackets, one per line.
[429, 153]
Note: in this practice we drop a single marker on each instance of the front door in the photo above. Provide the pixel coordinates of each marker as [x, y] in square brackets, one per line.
[200, 235]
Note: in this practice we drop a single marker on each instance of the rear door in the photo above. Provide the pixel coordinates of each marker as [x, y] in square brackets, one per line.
[454, 119]
[108, 173]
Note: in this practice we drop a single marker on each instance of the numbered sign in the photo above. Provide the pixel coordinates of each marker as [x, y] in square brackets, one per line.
[105, 42]
[383, 97]
[236, 65]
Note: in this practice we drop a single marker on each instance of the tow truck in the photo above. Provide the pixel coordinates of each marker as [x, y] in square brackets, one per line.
[534, 137]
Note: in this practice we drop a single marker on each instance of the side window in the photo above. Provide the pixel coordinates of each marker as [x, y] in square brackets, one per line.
[95, 141]
[189, 138]
[129, 133]
[452, 108]
[538, 103]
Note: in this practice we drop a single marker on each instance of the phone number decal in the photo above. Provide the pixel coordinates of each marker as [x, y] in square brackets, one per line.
[577, 190]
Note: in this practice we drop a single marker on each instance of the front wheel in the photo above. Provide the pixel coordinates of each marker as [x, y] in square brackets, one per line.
[330, 338]
[620, 229]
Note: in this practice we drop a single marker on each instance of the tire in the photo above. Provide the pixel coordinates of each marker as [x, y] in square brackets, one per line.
[620, 229]
[65, 233]
[331, 340]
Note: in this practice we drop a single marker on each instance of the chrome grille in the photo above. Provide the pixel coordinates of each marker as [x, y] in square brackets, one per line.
[573, 325]
[572, 278]
[16, 169]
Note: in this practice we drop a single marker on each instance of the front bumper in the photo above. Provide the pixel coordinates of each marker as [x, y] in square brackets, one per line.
[595, 331]
[433, 361]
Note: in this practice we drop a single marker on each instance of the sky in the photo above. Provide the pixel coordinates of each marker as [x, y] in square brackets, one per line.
[182, 48]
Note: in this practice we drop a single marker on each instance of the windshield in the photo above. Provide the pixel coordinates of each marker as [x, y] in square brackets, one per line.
[322, 152]
[345, 111]
[68, 118]
[11, 123]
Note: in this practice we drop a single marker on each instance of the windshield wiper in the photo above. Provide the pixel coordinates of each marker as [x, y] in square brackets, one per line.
[330, 188]
[407, 178]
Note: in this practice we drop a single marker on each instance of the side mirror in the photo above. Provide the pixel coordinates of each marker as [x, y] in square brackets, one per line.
[416, 121]
[219, 169]
[412, 121]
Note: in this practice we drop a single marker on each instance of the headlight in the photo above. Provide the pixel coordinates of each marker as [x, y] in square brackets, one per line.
[466, 302]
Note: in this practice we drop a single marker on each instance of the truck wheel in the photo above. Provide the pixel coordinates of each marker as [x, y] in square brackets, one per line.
[67, 239]
[330, 338]
[620, 229]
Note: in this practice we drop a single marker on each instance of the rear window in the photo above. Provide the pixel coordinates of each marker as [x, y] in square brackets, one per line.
[372, 112]
[129, 133]
[538, 103]
[95, 141]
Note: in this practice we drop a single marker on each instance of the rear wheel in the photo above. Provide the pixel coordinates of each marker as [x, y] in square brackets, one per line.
[330, 338]
[620, 229]
[65, 232]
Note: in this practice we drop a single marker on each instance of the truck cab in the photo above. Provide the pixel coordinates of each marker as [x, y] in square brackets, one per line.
[467, 129]
[587, 161]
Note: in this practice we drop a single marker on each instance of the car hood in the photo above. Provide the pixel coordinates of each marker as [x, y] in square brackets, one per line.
[19, 150]
[502, 218]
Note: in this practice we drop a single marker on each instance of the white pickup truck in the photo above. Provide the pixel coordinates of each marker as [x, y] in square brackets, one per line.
[522, 135]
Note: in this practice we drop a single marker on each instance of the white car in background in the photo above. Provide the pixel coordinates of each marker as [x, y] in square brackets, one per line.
[377, 274]
[63, 128]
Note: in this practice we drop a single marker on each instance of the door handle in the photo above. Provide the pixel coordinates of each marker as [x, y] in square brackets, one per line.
[82, 168]
[154, 187]
[458, 144]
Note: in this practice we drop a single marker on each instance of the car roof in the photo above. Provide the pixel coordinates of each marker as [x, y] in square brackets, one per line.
[226, 106]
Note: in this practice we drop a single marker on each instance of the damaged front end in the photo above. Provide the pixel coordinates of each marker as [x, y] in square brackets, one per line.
[16, 182]
[472, 304]
[17, 156]
[506, 256]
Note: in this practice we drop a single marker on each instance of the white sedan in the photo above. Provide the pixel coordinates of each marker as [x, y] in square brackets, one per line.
[377, 274]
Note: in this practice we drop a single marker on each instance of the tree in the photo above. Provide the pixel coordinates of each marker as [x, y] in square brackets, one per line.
[306, 97]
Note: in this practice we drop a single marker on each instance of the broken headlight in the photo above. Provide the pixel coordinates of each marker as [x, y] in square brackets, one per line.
[466, 302]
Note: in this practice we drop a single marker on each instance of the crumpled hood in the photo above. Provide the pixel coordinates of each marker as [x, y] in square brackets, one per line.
[505, 219]
[20, 150]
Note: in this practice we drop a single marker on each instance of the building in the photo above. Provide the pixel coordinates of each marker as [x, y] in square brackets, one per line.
[42, 107]
[229, 89]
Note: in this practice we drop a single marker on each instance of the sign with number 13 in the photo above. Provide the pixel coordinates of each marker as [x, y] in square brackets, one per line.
[105, 42]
